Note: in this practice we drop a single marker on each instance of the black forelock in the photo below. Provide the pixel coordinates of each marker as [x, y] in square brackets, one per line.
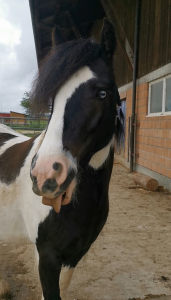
[61, 63]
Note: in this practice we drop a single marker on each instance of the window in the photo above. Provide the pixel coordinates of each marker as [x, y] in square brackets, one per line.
[160, 97]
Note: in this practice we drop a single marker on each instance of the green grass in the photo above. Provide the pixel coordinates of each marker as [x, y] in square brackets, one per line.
[30, 135]
[28, 124]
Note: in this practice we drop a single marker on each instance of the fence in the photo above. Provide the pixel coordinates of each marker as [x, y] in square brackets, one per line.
[25, 124]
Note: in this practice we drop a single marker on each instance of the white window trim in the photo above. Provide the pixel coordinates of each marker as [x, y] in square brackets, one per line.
[162, 113]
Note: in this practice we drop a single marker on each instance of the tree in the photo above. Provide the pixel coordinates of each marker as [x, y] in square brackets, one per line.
[25, 103]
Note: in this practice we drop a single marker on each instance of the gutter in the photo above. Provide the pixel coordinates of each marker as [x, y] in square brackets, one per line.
[135, 71]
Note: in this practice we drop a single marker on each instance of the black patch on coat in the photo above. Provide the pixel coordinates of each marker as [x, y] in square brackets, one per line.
[49, 186]
[93, 124]
[4, 137]
[12, 160]
[64, 238]
[66, 183]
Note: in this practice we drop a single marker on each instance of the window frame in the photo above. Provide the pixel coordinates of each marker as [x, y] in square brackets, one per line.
[163, 112]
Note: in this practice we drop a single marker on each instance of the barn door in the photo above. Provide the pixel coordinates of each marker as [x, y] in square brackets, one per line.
[121, 149]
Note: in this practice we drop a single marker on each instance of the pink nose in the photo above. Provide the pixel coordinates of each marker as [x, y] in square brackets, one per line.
[48, 176]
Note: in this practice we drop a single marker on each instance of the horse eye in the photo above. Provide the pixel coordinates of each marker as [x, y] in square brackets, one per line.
[102, 94]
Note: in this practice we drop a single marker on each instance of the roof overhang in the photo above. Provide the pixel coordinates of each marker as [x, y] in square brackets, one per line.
[75, 18]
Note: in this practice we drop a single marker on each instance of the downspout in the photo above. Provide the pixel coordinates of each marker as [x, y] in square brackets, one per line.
[135, 69]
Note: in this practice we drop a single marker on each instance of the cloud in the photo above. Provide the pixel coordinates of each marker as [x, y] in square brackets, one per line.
[17, 53]
[9, 35]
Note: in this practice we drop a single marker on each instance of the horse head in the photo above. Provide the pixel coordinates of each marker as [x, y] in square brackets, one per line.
[78, 77]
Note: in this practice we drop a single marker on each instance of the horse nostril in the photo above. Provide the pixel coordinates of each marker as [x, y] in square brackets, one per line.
[50, 185]
[56, 166]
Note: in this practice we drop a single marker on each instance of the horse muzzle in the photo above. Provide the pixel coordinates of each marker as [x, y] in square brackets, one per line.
[54, 180]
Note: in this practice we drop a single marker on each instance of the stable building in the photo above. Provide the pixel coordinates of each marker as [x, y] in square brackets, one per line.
[142, 66]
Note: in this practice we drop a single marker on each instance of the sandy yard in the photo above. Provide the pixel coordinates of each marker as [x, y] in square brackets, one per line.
[130, 260]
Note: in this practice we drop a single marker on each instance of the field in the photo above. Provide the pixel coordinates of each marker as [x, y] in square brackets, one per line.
[29, 127]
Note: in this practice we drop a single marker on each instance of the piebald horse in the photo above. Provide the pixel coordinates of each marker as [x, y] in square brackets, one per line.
[68, 166]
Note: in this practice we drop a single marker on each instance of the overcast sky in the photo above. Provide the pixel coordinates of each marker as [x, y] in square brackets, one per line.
[18, 62]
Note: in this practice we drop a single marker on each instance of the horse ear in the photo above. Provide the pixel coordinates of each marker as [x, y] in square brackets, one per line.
[108, 39]
[57, 37]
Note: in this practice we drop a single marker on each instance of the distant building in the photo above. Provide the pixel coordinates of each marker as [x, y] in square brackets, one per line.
[4, 114]
[16, 118]
[17, 115]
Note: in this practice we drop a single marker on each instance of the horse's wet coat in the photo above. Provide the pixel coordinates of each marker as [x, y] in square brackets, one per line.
[71, 160]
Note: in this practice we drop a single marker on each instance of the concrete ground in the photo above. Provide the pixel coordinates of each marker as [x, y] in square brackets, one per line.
[129, 261]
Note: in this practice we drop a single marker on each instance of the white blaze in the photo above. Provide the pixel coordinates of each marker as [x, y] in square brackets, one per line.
[52, 143]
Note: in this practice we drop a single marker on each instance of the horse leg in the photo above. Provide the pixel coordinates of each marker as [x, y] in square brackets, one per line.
[65, 279]
[49, 272]
[67, 272]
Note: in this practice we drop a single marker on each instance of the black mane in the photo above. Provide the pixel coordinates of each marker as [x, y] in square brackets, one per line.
[61, 63]
[58, 66]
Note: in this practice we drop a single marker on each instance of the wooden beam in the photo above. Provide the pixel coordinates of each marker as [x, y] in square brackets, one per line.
[46, 3]
[48, 21]
[73, 25]
[34, 24]
[121, 37]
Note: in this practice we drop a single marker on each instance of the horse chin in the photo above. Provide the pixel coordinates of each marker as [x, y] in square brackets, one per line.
[62, 199]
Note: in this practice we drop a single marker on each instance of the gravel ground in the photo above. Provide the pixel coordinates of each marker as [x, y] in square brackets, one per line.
[129, 261]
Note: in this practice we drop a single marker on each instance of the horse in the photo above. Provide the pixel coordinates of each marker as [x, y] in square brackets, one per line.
[68, 166]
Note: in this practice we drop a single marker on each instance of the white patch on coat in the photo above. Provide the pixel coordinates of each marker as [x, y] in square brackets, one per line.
[16, 140]
[6, 129]
[52, 143]
[21, 211]
[100, 157]
[11, 142]
[64, 280]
